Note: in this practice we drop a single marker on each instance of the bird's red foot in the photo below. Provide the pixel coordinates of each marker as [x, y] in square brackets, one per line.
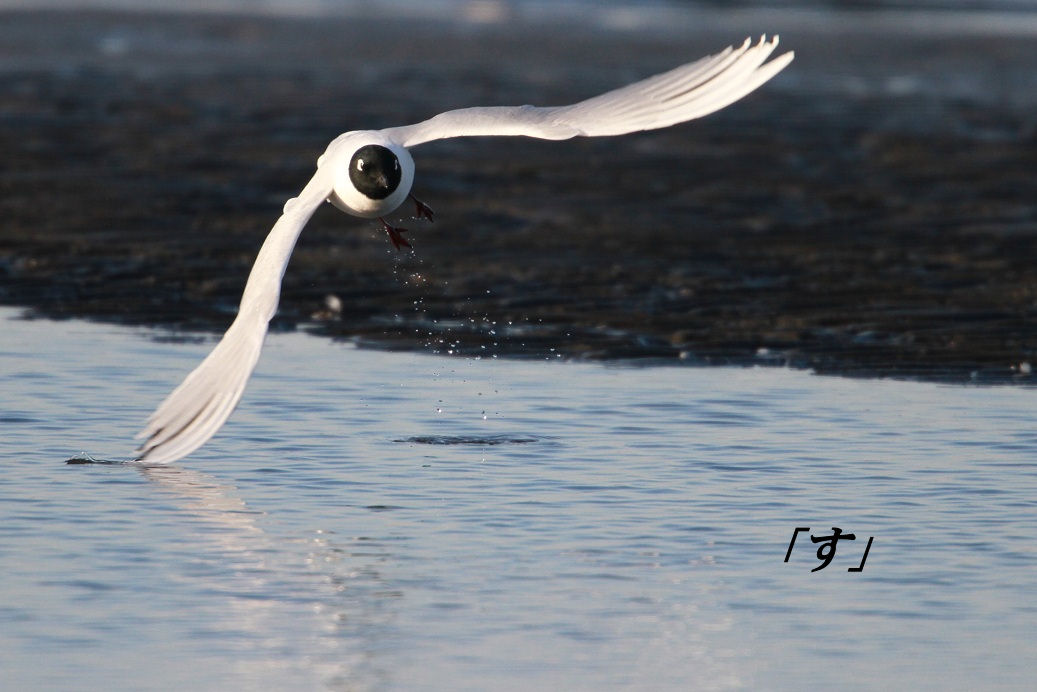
[395, 235]
[422, 210]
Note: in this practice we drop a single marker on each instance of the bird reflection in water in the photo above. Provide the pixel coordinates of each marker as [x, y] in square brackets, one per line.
[283, 599]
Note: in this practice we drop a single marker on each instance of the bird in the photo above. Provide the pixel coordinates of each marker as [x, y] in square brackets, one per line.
[369, 174]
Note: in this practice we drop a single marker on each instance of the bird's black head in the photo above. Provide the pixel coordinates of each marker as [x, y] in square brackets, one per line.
[375, 171]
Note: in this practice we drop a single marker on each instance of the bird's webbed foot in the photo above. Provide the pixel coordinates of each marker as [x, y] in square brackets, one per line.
[395, 235]
[422, 210]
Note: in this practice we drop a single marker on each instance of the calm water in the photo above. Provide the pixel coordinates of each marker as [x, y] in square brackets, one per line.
[391, 521]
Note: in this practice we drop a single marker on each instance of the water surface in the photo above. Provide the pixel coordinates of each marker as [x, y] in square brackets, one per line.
[373, 520]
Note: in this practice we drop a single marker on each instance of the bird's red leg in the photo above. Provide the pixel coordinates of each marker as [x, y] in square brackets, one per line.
[422, 210]
[395, 235]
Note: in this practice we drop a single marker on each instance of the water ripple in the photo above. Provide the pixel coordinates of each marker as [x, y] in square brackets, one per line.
[478, 440]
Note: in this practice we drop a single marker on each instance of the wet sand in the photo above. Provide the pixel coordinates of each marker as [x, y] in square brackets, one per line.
[871, 212]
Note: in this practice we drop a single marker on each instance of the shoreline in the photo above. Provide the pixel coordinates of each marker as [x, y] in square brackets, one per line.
[857, 216]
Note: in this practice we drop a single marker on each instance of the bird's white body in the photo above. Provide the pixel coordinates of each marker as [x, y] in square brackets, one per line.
[370, 173]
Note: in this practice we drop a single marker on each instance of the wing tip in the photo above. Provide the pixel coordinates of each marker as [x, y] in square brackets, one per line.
[779, 63]
[772, 43]
[147, 447]
[782, 61]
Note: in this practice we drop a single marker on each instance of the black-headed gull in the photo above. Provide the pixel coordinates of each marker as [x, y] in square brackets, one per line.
[369, 174]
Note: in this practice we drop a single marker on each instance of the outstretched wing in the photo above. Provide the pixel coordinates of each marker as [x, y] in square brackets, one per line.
[196, 409]
[684, 93]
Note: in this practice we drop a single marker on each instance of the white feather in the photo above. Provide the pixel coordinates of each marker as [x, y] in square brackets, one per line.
[684, 93]
[196, 409]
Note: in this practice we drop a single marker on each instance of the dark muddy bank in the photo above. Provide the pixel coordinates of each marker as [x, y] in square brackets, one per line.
[873, 211]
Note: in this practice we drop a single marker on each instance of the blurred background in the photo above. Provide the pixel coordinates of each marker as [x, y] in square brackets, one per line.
[340, 6]
[870, 211]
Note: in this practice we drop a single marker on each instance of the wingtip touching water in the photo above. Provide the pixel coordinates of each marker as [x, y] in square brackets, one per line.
[196, 409]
